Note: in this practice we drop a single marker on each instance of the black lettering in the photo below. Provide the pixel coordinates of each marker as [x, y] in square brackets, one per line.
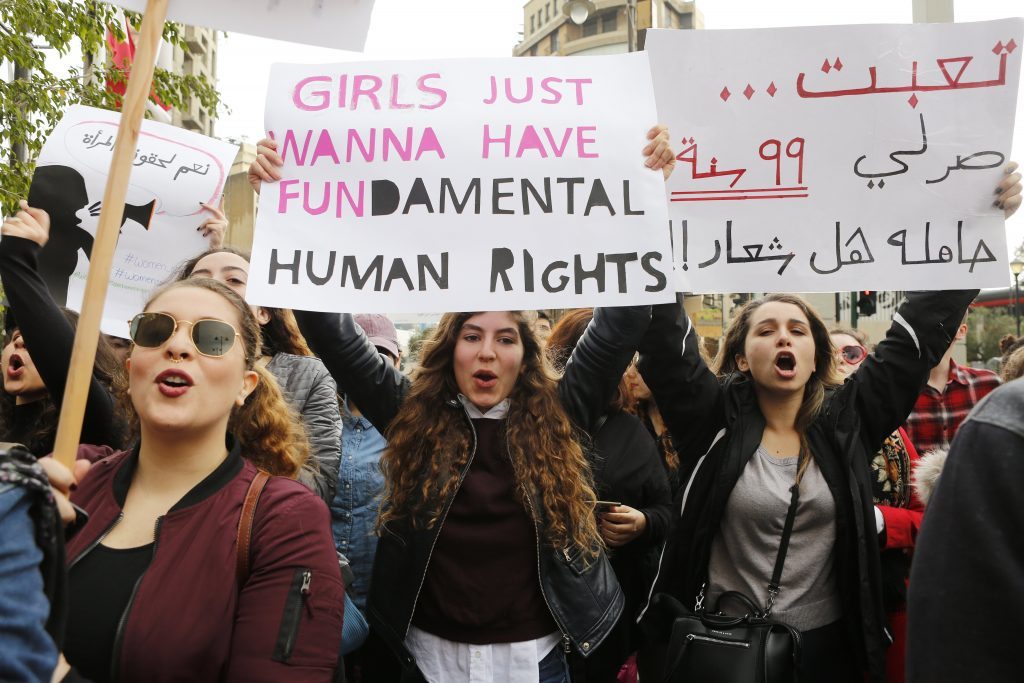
[625, 201]
[497, 195]
[529, 189]
[659, 277]
[580, 274]
[418, 195]
[313, 277]
[527, 270]
[350, 269]
[598, 197]
[276, 265]
[425, 266]
[398, 272]
[384, 198]
[620, 261]
[570, 191]
[563, 279]
[447, 190]
[501, 260]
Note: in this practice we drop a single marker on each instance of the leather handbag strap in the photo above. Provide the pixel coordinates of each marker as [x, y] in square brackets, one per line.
[252, 498]
[780, 559]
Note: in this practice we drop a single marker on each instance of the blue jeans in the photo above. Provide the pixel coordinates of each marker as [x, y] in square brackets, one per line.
[27, 653]
[554, 668]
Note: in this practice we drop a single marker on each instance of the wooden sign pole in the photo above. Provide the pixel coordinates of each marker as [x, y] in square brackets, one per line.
[140, 82]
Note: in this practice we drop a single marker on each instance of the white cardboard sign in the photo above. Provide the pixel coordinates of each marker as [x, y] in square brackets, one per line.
[838, 158]
[462, 185]
[173, 171]
[340, 24]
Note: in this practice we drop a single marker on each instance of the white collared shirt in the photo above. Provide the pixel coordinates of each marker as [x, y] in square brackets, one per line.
[444, 661]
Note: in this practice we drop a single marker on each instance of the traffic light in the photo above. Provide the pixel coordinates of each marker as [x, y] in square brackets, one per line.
[867, 303]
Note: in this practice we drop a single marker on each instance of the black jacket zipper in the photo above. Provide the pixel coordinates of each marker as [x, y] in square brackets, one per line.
[298, 594]
[115, 659]
[99, 539]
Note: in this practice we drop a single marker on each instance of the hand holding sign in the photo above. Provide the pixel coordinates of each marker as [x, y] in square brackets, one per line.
[1009, 190]
[29, 223]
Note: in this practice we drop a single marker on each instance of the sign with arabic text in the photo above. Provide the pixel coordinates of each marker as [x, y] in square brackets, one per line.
[173, 171]
[838, 158]
[341, 24]
[462, 185]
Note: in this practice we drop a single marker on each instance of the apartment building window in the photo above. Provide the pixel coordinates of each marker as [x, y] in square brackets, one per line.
[610, 22]
[590, 27]
[547, 12]
[554, 41]
[532, 25]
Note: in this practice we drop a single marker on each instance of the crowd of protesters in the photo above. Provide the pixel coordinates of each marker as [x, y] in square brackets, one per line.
[263, 495]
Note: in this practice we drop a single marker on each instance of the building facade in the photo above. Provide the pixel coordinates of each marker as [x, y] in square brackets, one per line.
[548, 31]
[200, 59]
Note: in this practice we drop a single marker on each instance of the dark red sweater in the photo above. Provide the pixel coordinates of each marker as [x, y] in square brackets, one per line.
[482, 584]
[188, 619]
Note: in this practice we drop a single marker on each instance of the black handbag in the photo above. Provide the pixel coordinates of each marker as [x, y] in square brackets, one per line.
[707, 646]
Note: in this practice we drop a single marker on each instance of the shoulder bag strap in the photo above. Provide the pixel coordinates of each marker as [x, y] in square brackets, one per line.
[252, 498]
[780, 559]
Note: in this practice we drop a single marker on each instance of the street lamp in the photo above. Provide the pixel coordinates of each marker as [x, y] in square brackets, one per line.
[578, 10]
[1016, 267]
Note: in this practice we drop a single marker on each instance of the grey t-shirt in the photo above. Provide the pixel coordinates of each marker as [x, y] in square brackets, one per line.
[744, 550]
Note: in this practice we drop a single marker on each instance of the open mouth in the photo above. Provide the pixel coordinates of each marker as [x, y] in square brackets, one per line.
[173, 382]
[16, 363]
[485, 378]
[785, 364]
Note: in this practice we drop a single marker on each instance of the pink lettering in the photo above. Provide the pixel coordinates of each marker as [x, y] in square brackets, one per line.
[393, 102]
[488, 140]
[370, 92]
[530, 140]
[581, 141]
[556, 96]
[289, 142]
[429, 143]
[324, 148]
[321, 98]
[441, 95]
[356, 204]
[316, 210]
[353, 137]
[559, 150]
[579, 82]
[284, 195]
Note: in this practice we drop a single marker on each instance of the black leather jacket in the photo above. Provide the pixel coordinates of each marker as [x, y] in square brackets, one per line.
[717, 426]
[584, 599]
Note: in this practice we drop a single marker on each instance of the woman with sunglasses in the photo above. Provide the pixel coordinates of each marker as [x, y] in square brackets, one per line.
[898, 511]
[33, 382]
[156, 584]
[490, 566]
[306, 384]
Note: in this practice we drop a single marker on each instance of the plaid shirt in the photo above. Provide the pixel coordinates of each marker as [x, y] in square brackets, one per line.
[937, 416]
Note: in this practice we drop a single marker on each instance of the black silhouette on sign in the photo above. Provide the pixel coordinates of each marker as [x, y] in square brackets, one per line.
[61, 192]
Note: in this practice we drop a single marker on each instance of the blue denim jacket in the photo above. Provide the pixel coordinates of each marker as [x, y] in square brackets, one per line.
[357, 498]
[27, 653]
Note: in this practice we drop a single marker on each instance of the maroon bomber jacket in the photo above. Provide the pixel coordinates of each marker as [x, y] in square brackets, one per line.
[188, 619]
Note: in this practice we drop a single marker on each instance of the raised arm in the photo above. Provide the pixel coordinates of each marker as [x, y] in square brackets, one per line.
[48, 335]
[375, 385]
[595, 367]
[889, 381]
[322, 418]
[688, 395]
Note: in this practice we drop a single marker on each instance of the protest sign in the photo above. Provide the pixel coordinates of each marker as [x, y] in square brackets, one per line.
[173, 170]
[340, 24]
[462, 185]
[838, 158]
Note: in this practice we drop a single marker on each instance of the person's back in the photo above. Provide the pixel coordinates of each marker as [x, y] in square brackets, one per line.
[967, 581]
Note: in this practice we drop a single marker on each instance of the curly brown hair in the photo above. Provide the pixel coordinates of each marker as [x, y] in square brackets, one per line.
[825, 376]
[106, 369]
[429, 444]
[281, 333]
[268, 430]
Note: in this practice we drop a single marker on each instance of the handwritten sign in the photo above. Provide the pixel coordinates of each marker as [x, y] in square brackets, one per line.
[340, 24]
[462, 185]
[174, 170]
[838, 158]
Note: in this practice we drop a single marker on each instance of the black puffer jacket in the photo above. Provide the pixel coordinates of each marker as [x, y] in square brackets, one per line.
[311, 392]
[719, 425]
[585, 600]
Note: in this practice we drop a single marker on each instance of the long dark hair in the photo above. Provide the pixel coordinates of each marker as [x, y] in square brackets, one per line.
[429, 444]
[281, 333]
[39, 440]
